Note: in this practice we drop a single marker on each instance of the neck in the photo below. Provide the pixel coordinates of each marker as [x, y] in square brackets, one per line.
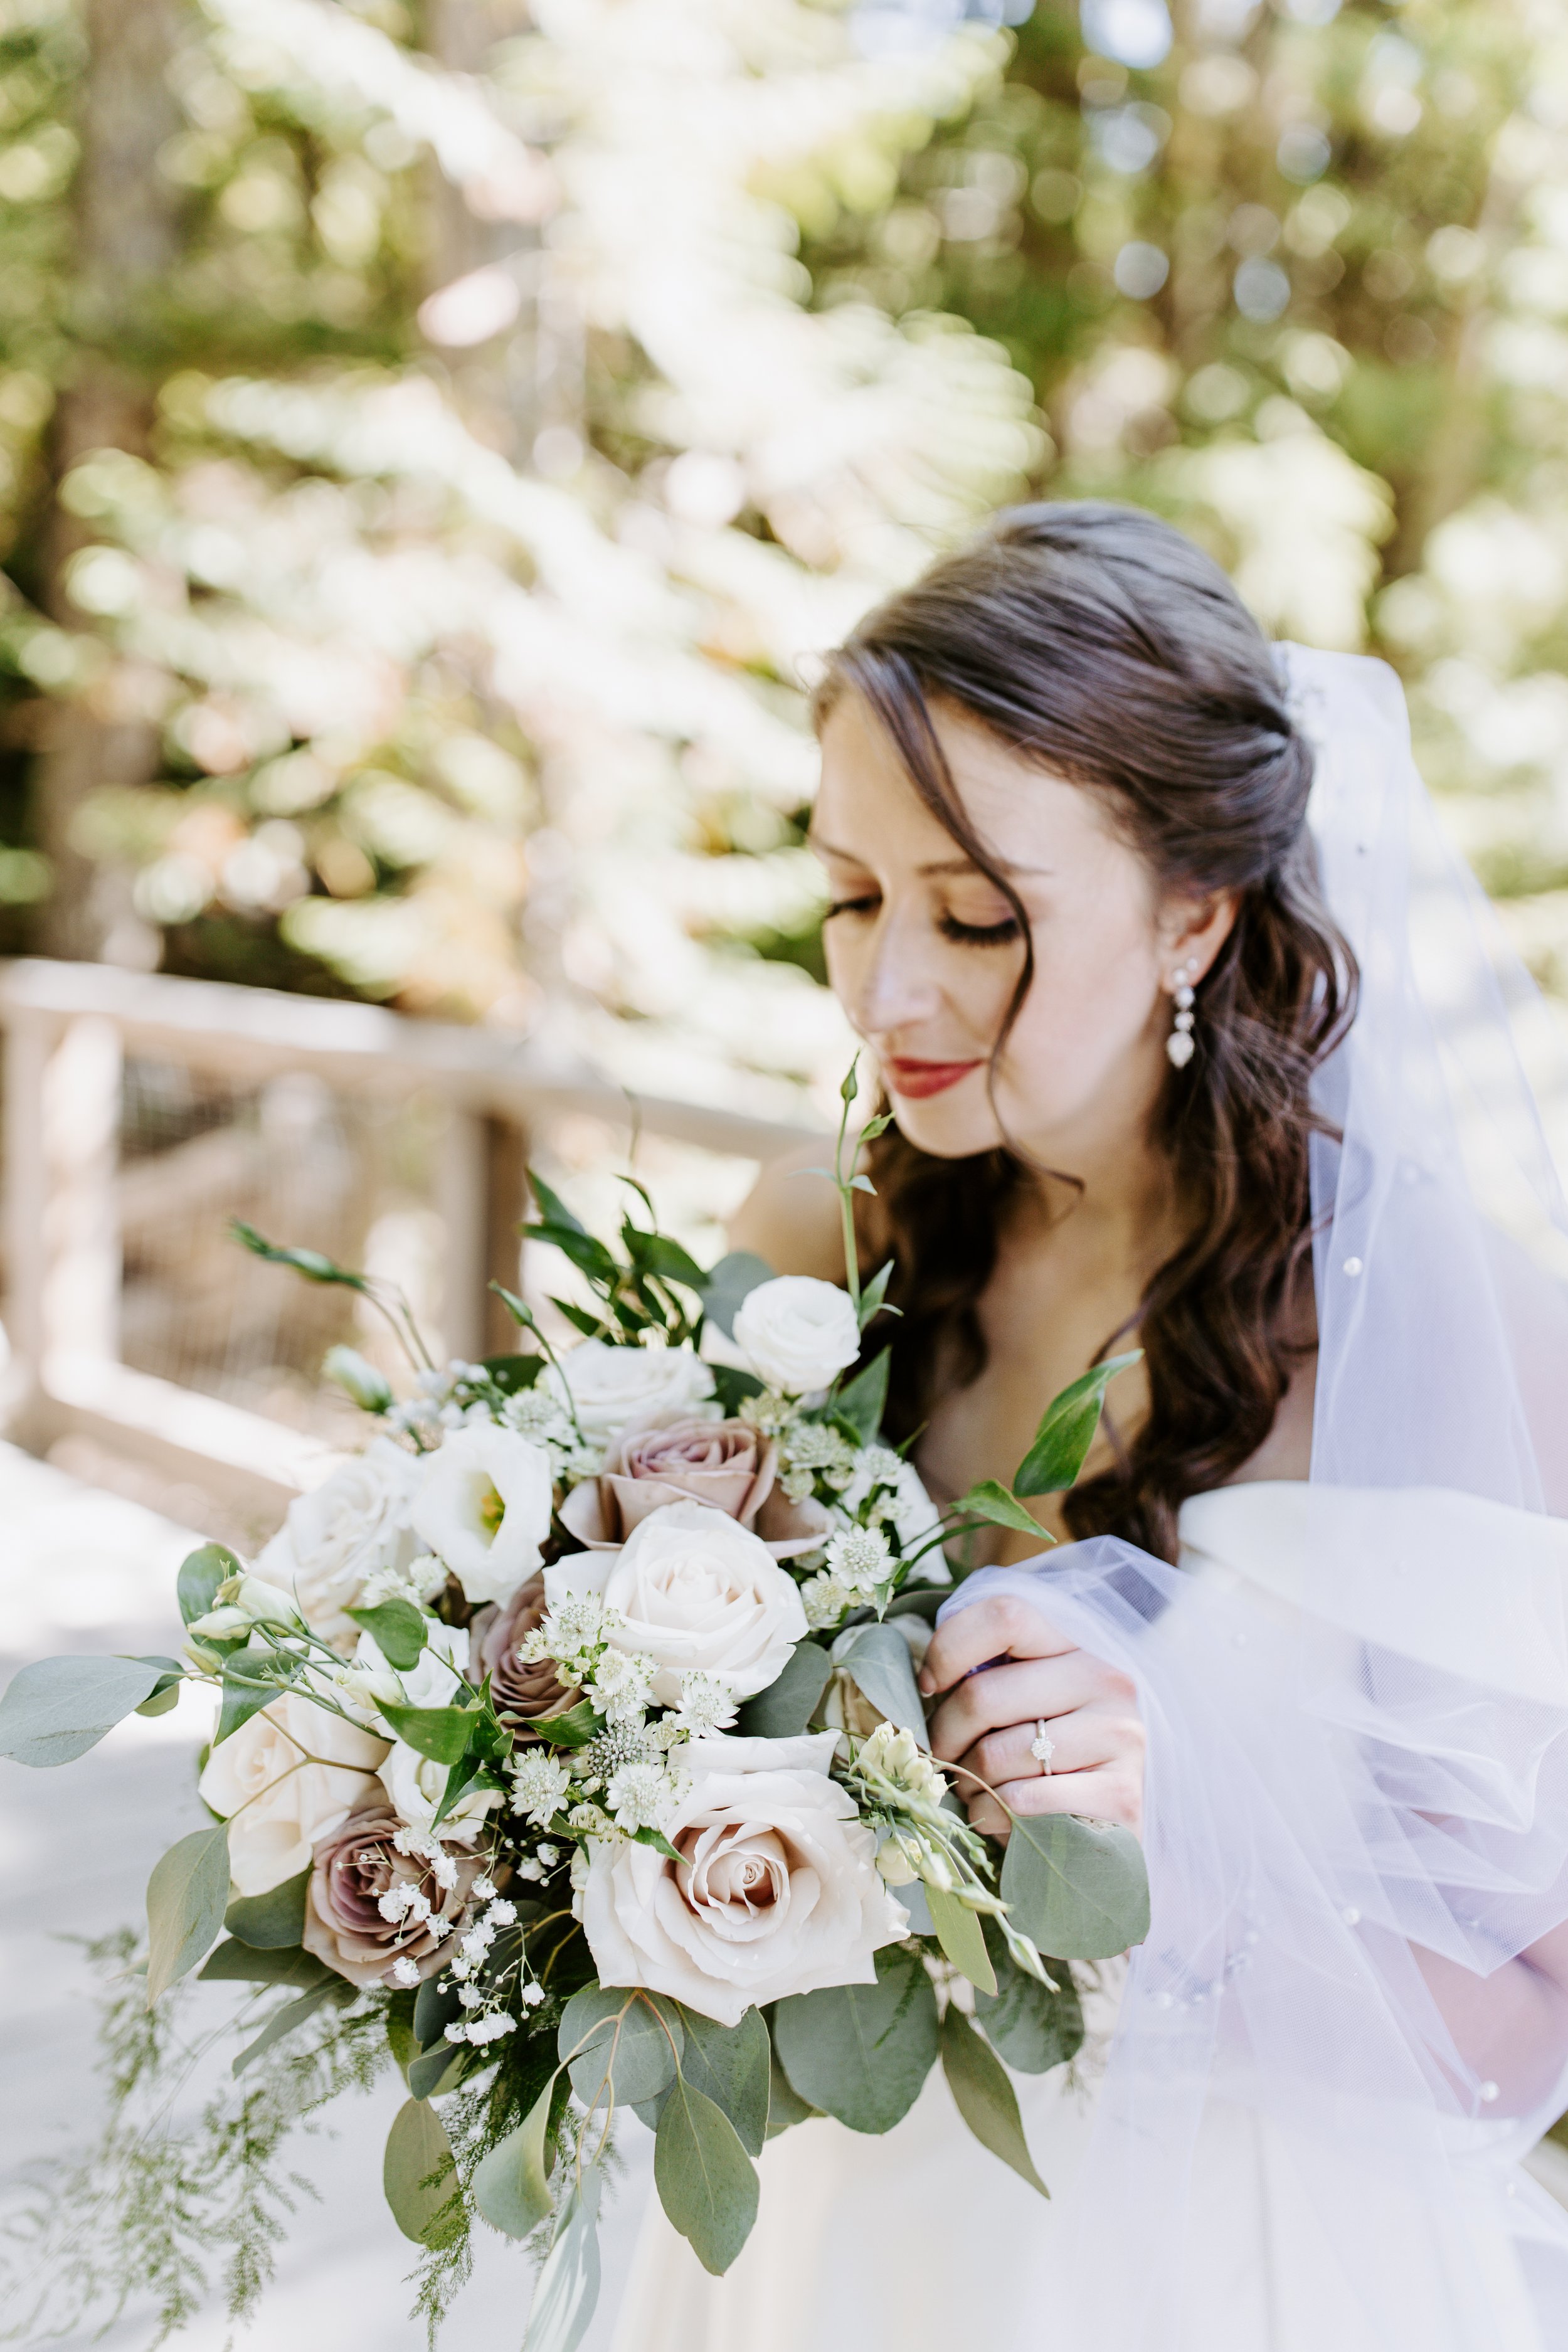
[1106, 1174]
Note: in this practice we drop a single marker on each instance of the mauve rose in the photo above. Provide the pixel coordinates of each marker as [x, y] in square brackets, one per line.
[521, 1693]
[354, 1869]
[723, 1463]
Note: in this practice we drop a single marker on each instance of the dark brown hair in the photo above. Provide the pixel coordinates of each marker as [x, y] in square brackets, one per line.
[1102, 643]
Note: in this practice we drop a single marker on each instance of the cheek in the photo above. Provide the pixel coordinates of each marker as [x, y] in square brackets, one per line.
[1089, 1009]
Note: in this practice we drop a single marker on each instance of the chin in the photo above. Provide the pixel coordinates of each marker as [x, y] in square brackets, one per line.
[951, 1126]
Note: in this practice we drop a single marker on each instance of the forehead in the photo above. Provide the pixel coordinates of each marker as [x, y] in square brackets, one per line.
[1027, 815]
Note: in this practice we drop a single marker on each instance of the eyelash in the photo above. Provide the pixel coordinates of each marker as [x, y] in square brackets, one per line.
[969, 935]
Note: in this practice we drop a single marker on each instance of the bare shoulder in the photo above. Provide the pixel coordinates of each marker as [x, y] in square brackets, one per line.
[791, 1218]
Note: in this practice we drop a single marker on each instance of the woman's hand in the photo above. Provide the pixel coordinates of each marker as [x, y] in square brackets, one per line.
[990, 1718]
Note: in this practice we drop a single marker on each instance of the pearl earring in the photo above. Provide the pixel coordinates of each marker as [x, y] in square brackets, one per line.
[1179, 1043]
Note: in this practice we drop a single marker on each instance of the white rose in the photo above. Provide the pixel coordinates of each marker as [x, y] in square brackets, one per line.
[697, 1593]
[297, 1772]
[416, 1783]
[777, 1891]
[797, 1334]
[354, 1523]
[484, 1508]
[611, 1388]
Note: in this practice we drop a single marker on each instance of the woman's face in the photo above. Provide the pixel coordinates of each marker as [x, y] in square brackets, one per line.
[925, 953]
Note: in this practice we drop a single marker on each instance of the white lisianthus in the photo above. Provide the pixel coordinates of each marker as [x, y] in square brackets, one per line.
[776, 1892]
[695, 1592]
[415, 1784]
[612, 1389]
[355, 1523]
[288, 1777]
[797, 1333]
[484, 1508]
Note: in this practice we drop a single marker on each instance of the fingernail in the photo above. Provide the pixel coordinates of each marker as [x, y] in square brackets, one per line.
[927, 1683]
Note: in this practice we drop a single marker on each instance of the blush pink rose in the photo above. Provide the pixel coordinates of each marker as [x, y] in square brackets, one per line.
[358, 1863]
[724, 1464]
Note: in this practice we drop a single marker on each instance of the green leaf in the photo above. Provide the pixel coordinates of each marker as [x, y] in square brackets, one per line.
[400, 2033]
[785, 2106]
[863, 1403]
[627, 2042]
[984, 2098]
[861, 2051]
[728, 2064]
[397, 1628]
[1078, 1890]
[789, 1700]
[239, 1963]
[552, 1207]
[568, 2286]
[518, 1308]
[512, 1374]
[275, 1920]
[591, 1325]
[874, 1295]
[55, 1709]
[309, 1263]
[512, 2185]
[990, 1500]
[733, 1386]
[165, 1697]
[876, 1659]
[1034, 2028]
[728, 1285]
[201, 1573]
[293, 2014]
[588, 1255]
[573, 1729]
[659, 1255]
[706, 2181]
[1067, 1430]
[252, 1678]
[442, 1733]
[418, 2173]
[961, 1937]
[187, 1896]
[437, 2071]
[437, 2005]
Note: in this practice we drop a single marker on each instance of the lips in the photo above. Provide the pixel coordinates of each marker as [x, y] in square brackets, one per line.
[917, 1080]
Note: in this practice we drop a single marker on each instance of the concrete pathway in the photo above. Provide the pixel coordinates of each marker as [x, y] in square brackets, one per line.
[81, 1569]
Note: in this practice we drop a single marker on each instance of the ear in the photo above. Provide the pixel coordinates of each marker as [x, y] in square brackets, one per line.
[1193, 931]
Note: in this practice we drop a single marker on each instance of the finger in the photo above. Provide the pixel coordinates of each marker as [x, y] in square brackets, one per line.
[1016, 1693]
[1111, 1792]
[1006, 1627]
[987, 1816]
[1079, 1740]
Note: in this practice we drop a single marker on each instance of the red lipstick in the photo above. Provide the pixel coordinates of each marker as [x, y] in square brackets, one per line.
[915, 1080]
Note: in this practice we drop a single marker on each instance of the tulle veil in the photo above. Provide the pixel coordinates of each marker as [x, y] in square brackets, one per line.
[1357, 1799]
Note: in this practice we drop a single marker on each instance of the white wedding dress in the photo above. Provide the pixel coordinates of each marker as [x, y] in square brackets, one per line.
[920, 2239]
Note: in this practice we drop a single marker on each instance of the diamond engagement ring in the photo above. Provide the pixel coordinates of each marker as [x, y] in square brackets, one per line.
[1042, 1746]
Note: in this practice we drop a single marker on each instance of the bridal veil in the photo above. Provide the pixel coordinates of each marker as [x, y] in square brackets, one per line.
[1357, 1691]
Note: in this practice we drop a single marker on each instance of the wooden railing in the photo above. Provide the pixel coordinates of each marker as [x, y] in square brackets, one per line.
[69, 1028]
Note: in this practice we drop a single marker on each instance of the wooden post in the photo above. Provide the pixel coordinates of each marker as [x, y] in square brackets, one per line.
[29, 1040]
[506, 1204]
[461, 1189]
[81, 1306]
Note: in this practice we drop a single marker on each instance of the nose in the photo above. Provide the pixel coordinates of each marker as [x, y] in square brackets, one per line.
[895, 987]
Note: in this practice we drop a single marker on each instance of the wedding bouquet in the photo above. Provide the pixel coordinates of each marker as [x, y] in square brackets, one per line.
[568, 1753]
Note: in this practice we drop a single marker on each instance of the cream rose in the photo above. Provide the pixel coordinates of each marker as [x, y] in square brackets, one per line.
[776, 1891]
[283, 1780]
[414, 1783]
[797, 1333]
[611, 1388]
[356, 1521]
[483, 1507]
[696, 1592]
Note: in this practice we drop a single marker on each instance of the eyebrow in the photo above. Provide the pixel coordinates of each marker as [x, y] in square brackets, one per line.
[942, 865]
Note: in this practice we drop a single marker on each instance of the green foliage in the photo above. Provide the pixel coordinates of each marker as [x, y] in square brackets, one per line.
[619, 2045]
[861, 2051]
[1066, 1433]
[511, 2183]
[273, 1920]
[1033, 2027]
[876, 1659]
[861, 1402]
[187, 1896]
[55, 1709]
[1078, 1889]
[791, 1700]
[731, 2064]
[418, 2176]
[397, 1628]
[983, 2095]
[961, 1937]
[706, 2182]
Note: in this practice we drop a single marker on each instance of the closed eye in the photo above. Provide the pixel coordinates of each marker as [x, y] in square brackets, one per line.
[866, 905]
[978, 935]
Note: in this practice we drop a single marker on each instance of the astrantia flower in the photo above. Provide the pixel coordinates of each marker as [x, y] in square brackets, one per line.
[537, 1785]
[707, 1704]
[639, 1795]
[861, 1558]
[484, 1508]
[622, 1684]
[824, 1600]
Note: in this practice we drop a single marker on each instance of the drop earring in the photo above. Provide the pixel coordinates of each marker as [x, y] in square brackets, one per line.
[1179, 1043]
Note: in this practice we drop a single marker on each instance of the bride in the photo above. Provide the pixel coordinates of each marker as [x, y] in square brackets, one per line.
[1197, 1041]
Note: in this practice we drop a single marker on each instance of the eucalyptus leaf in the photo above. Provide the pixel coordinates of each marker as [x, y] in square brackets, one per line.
[789, 1701]
[442, 1733]
[863, 1403]
[1077, 1890]
[275, 1918]
[984, 2098]
[876, 1659]
[165, 1697]
[201, 1573]
[418, 2173]
[55, 1709]
[961, 1937]
[785, 2106]
[439, 2069]
[252, 1678]
[237, 1963]
[729, 2064]
[730, 1284]
[400, 2030]
[1034, 2028]
[627, 2044]
[398, 1629]
[991, 1501]
[436, 2004]
[706, 2181]
[568, 2286]
[512, 2185]
[1067, 1430]
[187, 1896]
[293, 2014]
[861, 2051]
